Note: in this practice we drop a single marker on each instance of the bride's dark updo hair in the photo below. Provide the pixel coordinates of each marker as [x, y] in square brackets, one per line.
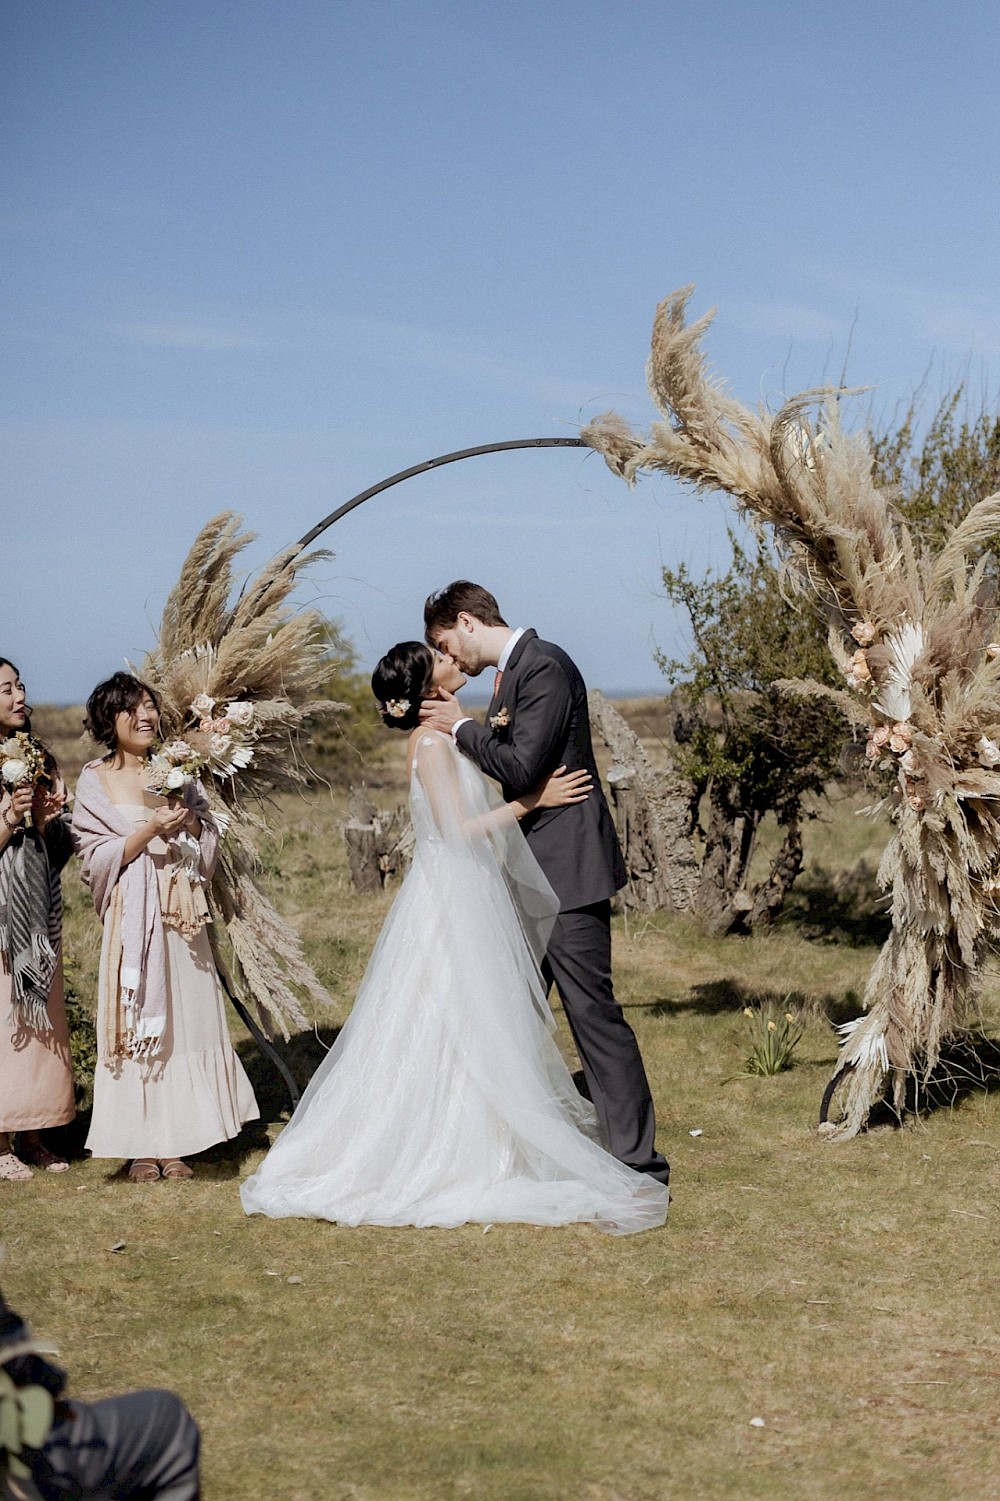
[402, 678]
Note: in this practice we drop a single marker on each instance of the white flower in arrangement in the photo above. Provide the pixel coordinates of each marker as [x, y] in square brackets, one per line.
[397, 707]
[220, 744]
[989, 752]
[202, 706]
[911, 764]
[240, 713]
[14, 771]
[175, 779]
[10, 747]
[864, 633]
[178, 750]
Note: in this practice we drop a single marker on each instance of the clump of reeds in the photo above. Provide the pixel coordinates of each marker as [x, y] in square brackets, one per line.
[257, 648]
[774, 1033]
[914, 634]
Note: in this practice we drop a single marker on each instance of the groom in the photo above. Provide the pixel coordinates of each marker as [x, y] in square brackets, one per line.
[538, 720]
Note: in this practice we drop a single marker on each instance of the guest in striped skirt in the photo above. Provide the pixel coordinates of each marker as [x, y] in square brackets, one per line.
[36, 1071]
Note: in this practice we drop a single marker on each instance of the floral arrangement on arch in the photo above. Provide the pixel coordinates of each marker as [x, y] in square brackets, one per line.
[239, 689]
[916, 636]
[222, 745]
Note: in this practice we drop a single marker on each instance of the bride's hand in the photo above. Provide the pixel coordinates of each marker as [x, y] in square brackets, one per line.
[560, 789]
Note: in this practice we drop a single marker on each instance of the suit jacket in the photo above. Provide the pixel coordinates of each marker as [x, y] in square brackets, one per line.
[544, 723]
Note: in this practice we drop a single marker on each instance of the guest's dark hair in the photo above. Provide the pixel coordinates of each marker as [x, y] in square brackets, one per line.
[402, 678]
[6, 662]
[116, 695]
[443, 608]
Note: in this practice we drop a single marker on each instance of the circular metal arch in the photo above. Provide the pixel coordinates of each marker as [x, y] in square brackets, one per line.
[445, 458]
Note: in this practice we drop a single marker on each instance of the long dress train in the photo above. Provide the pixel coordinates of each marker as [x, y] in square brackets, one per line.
[445, 1098]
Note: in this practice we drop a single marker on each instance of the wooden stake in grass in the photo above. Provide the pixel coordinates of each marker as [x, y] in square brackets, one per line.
[915, 634]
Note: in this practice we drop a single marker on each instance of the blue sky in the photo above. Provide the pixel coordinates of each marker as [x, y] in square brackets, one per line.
[258, 255]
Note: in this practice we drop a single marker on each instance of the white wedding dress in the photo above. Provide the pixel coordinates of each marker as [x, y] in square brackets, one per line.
[445, 1099]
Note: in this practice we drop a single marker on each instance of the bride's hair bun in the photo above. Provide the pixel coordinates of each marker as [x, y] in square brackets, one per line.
[400, 681]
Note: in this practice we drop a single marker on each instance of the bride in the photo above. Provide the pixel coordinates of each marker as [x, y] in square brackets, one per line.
[445, 1098]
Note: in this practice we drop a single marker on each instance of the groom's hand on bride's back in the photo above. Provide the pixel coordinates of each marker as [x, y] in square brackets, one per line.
[441, 713]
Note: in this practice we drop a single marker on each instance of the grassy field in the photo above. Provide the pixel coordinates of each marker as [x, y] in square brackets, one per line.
[841, 1294]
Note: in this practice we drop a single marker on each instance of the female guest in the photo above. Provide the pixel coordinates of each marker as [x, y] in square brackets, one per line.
[444, 1098]
[36, 1070]
[168, 1082]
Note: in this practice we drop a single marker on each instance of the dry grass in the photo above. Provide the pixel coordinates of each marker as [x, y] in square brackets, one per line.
[841, 1293]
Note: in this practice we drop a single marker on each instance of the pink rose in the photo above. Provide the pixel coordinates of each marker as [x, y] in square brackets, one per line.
[240, 712]
[864, 633]
[900, 738]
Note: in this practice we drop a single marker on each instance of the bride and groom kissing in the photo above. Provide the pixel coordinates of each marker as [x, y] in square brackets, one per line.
[445, 1098]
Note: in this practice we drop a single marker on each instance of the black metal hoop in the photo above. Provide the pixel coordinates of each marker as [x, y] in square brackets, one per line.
[445, 458]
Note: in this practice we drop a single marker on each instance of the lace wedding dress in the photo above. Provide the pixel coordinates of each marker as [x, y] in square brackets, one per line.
[445, 1098]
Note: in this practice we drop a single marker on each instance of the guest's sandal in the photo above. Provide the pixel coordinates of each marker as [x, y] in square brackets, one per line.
[13, 1170]
[175, 1167]
[144, 1170]
[40, 1156]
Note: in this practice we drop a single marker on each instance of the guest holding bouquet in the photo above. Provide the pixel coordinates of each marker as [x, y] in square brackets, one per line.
[36, 1070]
[168, 1083]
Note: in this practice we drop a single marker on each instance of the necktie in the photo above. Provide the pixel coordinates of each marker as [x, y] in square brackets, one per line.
[496, 681]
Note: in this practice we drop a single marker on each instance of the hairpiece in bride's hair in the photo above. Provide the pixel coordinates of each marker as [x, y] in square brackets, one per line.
[396, 708]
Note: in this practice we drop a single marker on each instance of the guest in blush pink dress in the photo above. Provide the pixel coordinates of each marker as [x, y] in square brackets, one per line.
[168, 1082]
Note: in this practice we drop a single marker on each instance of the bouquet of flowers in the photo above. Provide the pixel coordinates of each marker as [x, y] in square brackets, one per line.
[172, 767]
[22, 759]
[221, 745]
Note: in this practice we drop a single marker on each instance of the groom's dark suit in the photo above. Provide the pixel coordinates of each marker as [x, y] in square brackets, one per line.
[538, 720]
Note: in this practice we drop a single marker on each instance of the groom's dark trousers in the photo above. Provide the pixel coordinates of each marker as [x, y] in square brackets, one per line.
[539, 720]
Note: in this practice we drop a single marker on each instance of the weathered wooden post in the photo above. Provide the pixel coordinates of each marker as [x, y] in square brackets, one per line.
[362, 848]
[654, 814]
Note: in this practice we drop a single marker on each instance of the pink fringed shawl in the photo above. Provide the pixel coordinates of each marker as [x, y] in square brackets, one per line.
[100, 833]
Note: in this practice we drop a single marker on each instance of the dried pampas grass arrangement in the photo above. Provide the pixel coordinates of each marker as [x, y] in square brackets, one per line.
[915, 636]
[262, 650]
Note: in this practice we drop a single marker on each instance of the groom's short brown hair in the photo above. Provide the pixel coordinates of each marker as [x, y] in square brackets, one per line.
[462, 597]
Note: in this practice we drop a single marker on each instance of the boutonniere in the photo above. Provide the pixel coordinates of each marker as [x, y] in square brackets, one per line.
[500, 720]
